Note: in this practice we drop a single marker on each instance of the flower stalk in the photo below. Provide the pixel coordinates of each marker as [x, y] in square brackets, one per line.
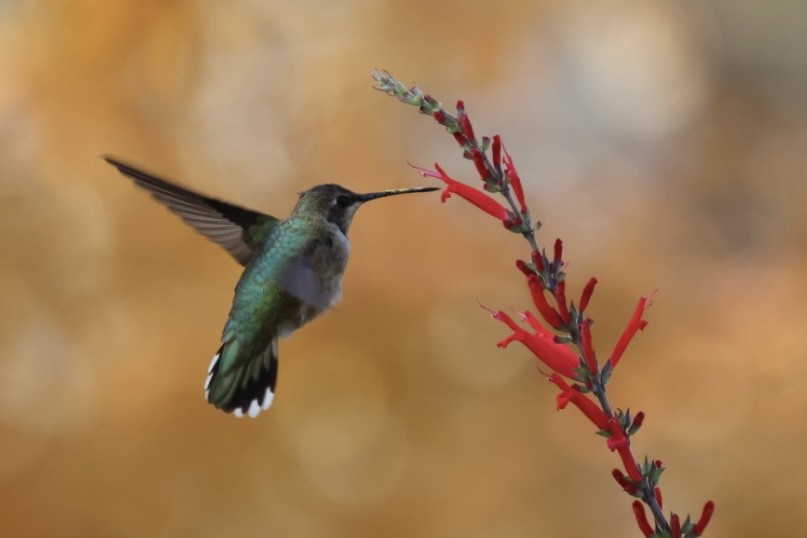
[562, 338]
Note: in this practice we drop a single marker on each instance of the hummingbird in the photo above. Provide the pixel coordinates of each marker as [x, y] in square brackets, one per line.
[293, 271]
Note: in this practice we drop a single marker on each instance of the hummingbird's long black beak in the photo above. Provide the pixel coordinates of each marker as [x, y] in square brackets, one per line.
[392, 192]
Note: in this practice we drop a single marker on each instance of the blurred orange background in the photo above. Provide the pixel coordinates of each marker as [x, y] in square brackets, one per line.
[663, 141]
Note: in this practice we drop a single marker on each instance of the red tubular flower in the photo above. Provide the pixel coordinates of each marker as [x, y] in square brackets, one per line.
[588, 350]
[544, 308]
[542, 344]
[515, 181]
[538, 260]
[465, 122]
[479, 199]
[558, 253]
[706, 515]
[560, 299]
[441, 118]
[634, 426]
[584, 404]
[479, 163]
[497, 152]
[524, 268]
[675, 526]
[620, 443]
[586, 295]
[636, 323]
[641, 519]
[558, 357]
[624, 482]
[659, 500]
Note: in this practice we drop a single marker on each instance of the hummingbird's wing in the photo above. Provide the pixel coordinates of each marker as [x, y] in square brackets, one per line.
[240, 231]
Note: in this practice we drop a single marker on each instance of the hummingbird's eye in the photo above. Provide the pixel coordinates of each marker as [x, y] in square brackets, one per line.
[342, 200]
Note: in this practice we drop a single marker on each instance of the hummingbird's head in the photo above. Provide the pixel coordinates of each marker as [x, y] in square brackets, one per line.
[338, 205]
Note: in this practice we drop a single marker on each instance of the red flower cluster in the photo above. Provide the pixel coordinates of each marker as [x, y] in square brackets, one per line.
[563, 340]
[676, 528]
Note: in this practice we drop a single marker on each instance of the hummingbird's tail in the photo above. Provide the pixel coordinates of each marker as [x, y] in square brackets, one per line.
[242, 386]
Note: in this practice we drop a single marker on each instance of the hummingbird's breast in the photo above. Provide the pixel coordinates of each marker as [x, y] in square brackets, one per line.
[296, 276]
